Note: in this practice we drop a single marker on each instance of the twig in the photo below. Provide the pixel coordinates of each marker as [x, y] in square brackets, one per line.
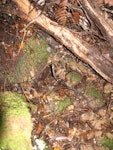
[107, 10]
[4, 84]
[22, 42]
[32, 21]
[24, 92]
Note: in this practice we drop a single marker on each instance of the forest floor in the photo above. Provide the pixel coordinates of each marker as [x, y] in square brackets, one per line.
[70, 104]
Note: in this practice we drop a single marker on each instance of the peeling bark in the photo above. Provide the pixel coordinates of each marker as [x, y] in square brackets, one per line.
[73, 42]
[98, 19]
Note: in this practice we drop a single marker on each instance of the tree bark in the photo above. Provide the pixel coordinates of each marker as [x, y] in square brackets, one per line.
[73, 42]
[96, 16]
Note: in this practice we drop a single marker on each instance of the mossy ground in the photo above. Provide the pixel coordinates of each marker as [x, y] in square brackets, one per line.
[29, 62]
[62, 104]
[15, 122]
[74, 78]
[107, 142]
[37, 50]
[92, 92]
[34, 56]
[15, 102]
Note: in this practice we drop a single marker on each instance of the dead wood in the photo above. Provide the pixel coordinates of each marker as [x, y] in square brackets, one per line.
[73, 42]
[97, 17]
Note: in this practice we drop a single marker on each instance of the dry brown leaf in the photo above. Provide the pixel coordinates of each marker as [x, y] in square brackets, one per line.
[57, 148]
[40, 128]
[89, 135]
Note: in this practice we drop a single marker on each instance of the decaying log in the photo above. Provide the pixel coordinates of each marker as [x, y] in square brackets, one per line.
[97, 18]
[73, 42]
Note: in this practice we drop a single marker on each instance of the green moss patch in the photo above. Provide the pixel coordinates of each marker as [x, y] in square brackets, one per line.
[74, 78]
[95, 95]
[62, 104]
[107, 142]
[15, 122]
[30, 62]
[93, 92]
[37, 50]
[14, 102]
[34, 56]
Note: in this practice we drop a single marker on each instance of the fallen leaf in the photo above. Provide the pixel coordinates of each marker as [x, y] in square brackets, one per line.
[72, 133]
[57, 148]
[40, 128]
[89, 135]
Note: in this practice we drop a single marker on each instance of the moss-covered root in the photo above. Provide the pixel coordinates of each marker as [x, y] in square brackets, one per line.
[15, 122]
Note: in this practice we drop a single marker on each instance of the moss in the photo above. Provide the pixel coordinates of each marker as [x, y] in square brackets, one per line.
[62, 104]
[93, 92]
[32, 58]
[15, 141]
[35, 54]
[15, 122]
[23, 67]
[75, 78]
[14, 102]
[11, 78]
[95, 95]
[39, 50]
[107, 142]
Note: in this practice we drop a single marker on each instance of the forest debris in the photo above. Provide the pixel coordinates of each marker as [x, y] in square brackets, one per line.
[108, 88]
[97, 18]
[83, 50]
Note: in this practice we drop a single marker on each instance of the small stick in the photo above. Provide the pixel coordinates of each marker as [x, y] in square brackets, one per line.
[32, 21]
[107, 10]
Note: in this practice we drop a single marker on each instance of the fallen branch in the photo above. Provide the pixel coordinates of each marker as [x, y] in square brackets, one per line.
[98, 19]
[73, 42]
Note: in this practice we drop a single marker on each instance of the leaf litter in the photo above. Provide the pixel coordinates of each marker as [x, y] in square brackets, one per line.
[70, 104]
